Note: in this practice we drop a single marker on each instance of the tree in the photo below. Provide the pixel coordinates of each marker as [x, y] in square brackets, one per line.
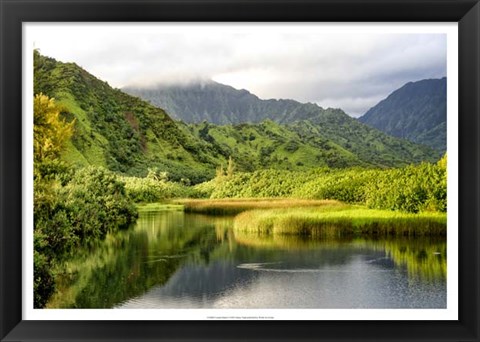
[230, 167]
[50, 131]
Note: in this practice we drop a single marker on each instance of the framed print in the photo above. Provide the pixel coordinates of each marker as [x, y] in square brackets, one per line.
[239, 170]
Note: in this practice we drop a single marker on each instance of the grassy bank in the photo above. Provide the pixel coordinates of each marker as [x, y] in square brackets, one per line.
[341, 221]
[231, 206]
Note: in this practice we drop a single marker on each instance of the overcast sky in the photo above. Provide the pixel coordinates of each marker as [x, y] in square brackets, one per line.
[347, 68]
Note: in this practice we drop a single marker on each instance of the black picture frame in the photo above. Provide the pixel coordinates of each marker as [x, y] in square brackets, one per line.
[15, 12]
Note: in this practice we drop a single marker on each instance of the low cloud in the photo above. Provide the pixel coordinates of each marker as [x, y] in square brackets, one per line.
[349, 70]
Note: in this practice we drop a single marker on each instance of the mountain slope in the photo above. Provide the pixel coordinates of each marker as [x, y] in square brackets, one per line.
[221, 104]
[218, 103]
[365, 143]
[417, 112]
[118, 131]
[271, 145]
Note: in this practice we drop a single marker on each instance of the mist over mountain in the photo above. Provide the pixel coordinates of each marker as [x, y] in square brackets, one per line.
[417, 112]
[220, 104]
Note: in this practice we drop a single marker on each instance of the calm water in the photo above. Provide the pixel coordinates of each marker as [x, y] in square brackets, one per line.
[177, 260]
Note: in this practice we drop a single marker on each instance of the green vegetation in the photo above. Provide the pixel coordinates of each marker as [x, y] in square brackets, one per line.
[235, 206]
[331, 139]
[50, 131]
[271, 145]
[339, 139]
[159, 207]
[410, 189]
[337, 221]
[145, 190]
[71, 207]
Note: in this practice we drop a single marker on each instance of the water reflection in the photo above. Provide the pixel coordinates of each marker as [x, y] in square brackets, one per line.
[177, 260]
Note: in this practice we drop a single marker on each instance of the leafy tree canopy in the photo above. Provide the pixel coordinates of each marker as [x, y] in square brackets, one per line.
[51, 131]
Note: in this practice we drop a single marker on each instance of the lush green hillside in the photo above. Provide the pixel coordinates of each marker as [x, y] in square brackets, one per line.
[130, 136]
[271, 145]
[326, 140]
[118, 131]
[417, 112]
[368, 145]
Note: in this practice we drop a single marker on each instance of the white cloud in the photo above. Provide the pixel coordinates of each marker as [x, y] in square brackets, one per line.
[337, 66]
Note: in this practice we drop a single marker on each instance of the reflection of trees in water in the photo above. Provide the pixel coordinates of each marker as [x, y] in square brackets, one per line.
[423, 257]
[132, 262]
[129, 263]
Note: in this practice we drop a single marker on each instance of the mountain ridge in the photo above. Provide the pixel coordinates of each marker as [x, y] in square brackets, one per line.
[416, 112]
[218, 103]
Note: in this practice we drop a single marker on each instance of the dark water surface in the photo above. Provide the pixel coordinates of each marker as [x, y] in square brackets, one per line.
[176, 260]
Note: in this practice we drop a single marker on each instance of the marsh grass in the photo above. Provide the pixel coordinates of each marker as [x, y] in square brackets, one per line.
[236, 206]
[158, 207]
[340, 222]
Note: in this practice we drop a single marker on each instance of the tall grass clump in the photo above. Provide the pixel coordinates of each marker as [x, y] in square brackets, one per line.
[353, 221]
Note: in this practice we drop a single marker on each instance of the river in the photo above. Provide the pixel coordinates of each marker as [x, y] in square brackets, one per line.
[175, 260]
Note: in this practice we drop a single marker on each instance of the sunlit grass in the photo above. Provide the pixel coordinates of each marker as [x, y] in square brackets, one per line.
[343, 221]
[158, 206]
[235, 206]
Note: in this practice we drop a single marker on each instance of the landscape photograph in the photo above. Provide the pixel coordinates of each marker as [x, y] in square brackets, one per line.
[217, 166]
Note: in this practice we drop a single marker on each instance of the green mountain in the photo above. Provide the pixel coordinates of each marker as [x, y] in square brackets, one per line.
[221, 104]
[367, 144]
[128, 135]
[118, 131]
[216, 103]
[417, 112]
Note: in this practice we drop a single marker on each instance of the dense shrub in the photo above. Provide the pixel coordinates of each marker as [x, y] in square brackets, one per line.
[262, 183]
[413, 188]
[71, 213]
[345, 185]
[154, 190]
